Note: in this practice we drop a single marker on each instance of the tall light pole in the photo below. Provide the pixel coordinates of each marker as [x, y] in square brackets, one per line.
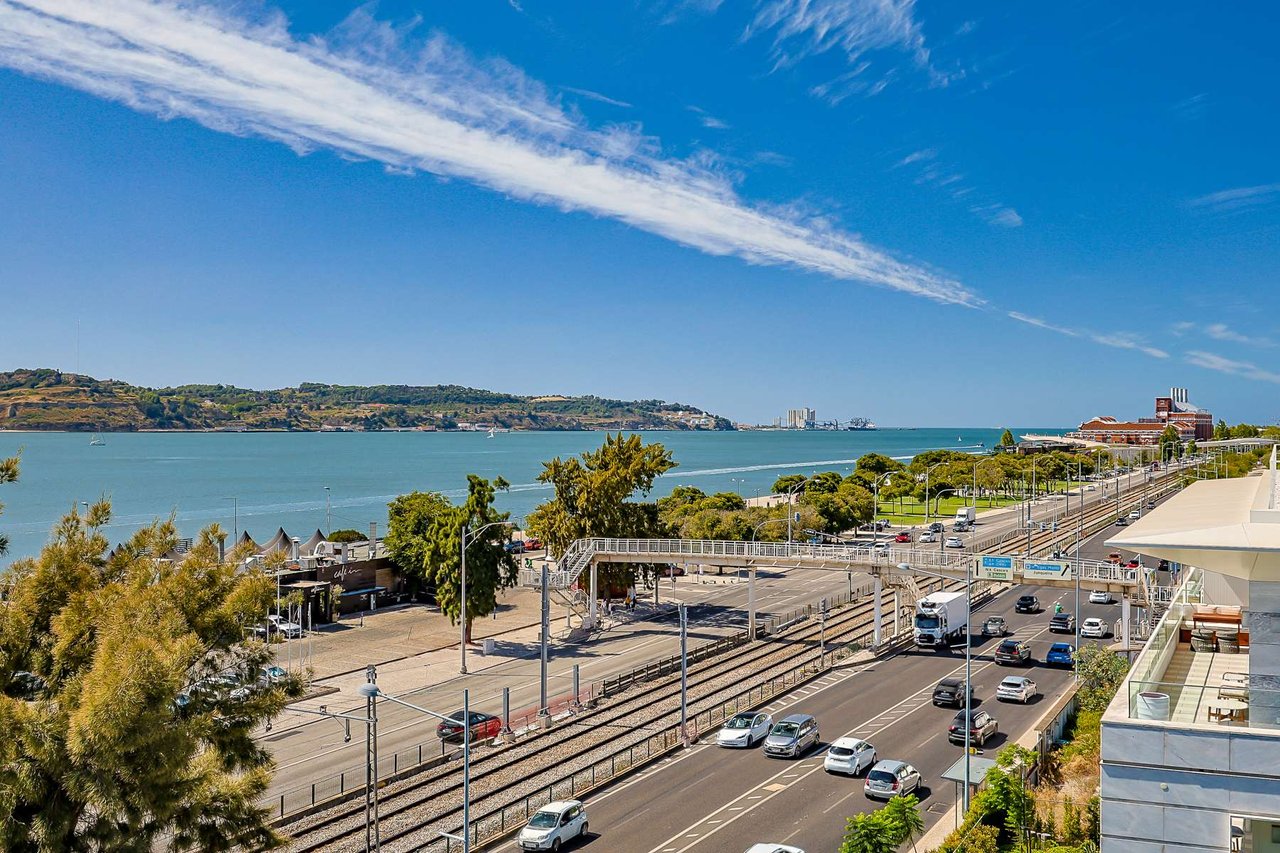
[462, 622]
[235, 520]
[739, 485]
[927, 472]
[751, 574]
[791, 493]
[875, 511]
[328, 513]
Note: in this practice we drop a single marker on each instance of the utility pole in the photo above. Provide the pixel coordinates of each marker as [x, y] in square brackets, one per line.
[684, 674]
[371, 839]
[546, 631]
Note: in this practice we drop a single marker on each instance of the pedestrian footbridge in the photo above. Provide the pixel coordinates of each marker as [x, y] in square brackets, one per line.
[585, 555]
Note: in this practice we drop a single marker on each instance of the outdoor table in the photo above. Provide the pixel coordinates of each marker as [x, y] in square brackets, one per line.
[1227, 709]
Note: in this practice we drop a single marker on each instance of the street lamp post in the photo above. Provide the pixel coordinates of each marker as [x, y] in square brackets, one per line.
[791, 493]
[751, 574]
[875, 510]
[463, 596]
[235, 520]
[328, 512]
[927, 472]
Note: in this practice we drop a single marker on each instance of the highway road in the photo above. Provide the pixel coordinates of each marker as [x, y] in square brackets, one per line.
[713, 800]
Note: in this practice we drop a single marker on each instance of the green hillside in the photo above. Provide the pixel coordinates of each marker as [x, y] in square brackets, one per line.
[45, 399]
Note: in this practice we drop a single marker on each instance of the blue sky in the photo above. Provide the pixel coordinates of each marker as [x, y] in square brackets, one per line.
[920, 212]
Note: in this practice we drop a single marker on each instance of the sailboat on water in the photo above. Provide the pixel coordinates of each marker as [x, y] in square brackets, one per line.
[97, 441]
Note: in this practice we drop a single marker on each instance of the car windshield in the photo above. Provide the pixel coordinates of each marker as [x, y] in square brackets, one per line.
[995, 620]
[544, 820]
[738, 723]
[881, 776]
[841, 751]
[1026, 599]
[786, 729]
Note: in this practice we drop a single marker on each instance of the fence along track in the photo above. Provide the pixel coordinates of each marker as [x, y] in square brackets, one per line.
[324, 830]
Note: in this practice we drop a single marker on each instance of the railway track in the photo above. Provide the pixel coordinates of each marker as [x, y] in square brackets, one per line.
[503, 776]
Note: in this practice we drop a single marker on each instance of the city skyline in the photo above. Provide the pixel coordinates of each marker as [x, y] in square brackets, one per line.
[342, 194]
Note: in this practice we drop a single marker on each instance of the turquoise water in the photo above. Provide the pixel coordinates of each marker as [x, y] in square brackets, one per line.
[278, 479]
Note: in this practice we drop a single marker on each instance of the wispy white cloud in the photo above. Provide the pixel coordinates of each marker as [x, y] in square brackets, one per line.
[1182, 327]
[1191, 108]
[1119, 340]
[673, 11]
[1238, 198]
[930, 171]
[1213, 361]
[596, 96]
[1221, 332]
[1042, 324]
[359, 92]
[707, 119]
[804, 28]
[998, 214]
[917, 156]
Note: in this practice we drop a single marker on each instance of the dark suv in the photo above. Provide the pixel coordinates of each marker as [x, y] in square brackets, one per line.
[1012, 652]
[1027, 604]
[1062, 623]
[950, 691]
[981, 726]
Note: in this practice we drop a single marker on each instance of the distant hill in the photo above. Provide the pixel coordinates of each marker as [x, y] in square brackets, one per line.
[45, 399]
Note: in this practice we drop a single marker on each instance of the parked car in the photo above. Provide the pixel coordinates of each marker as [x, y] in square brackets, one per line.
[1163, 566]
[533, 544]
[279, 625]
[1027, 604]
[995, 626]
[671, 570]
[482, 726]
[954, 542]
[1012, 652]
[982, 726]
[1017, 688]
[273, 674]
[745, 730]
[950, 691]
[1115, 558]
[1135, 563]
[889, 779]
[1094, 628]
[792, 736]
[850, 756]
[1062, 623]
[514, 547]
[937, 527]
[1060, 654]
[1099, 596]
[903, 536]
[554, 825]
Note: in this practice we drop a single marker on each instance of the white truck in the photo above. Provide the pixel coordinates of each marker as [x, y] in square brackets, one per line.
[940, 619]
[967, 516]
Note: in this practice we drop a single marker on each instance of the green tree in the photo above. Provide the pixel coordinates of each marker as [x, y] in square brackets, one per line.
[347, 535]
[1006, 439]
[1170, 443]
[972, 838]
[1221, 430]
[787, 482]
[424, 536]
[1101, 671]
[1192, 447]
[114, 739]
[868, 833]
[1244, 431]
[8, 474]
[902, 815]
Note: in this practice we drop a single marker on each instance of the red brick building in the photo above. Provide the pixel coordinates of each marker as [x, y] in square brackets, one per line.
[1190, 421]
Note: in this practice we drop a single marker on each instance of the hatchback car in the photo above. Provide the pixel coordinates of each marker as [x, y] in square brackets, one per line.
[954, 542]
[745, 730]
[850, 756]
[937, 527]
[903, 536]
[1135, 515]
[1062, 623]
[928, 536]
[1099, 596]
[1012, 652]
[1122, 522]
[553, 826]
[1094, 627]
[1016, 688]
[889, 779]
[1060, 654]
[1027, 604]
[881, 549]
[769, 847]
[982, 727]
[995, 626]
[482, 726]
[792, 736]
[950, 691]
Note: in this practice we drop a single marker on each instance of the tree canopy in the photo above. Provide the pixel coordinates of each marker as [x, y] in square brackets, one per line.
[120, 725]
[8, 474]
[424, 536]
[1006, 439]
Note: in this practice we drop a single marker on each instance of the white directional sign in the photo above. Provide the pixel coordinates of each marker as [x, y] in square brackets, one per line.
[993, 567]
[1051, 570]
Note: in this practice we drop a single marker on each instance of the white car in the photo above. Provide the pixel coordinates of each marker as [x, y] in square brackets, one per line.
[553, 825]
[880, 549]
[954, 542]
[850, 756]
[280, 625]
[1099, 596]
[1135, 515]
[1091, 488]
[928, 536]
[745, 730]
[773, 848]
[1093, 627]
[1017, 688]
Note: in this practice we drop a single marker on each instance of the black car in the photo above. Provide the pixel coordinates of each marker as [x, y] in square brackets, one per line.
[1027, 604]
[1012, 652]
[1062, 623]
[983, 726]
[950, 691]
[1122, 522]
[937, 527]
[1163, 567]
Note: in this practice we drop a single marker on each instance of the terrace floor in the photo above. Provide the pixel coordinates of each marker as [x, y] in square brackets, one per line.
[1193, 679]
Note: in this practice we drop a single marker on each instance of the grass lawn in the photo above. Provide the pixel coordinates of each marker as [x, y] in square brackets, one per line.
[910, 512]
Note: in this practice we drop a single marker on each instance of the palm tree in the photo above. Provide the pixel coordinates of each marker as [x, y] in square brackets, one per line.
[902, 814]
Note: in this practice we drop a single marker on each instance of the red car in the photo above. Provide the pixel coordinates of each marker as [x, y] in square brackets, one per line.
[482, 726]
[533, 544]
[904, 536]
[1133, 564]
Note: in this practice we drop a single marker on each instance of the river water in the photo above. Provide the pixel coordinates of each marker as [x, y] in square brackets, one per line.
[279, 479]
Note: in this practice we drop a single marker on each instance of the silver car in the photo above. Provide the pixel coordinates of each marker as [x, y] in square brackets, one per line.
[745, 730]
[792, 736]
[889, 779]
